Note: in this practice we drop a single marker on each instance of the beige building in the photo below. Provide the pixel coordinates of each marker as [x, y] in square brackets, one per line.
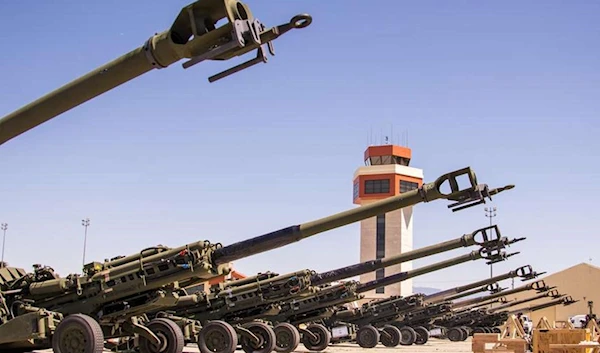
[386, 173]
[581, 282]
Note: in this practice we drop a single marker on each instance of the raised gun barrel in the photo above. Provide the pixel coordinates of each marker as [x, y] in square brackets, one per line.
[566, 301]
[538, 286]
[524, 272]
[471, 195]
[551, 293]
[483, 253]
[194, 34]
[491, 288]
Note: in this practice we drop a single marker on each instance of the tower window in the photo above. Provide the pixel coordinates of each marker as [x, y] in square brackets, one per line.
[355, 190]
[379, 186]
[406, 186]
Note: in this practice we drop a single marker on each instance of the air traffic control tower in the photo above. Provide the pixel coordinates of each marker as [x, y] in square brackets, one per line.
[386, 173]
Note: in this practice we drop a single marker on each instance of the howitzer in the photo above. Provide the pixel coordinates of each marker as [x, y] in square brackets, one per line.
[552, 293]
[539, 286]
[375, 320]
[194, 35]
[526, 273]
[469, 318]
[110, 299]
[262, 299]
[566, 301]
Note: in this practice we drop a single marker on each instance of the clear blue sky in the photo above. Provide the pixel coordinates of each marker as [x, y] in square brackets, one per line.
[509, 88]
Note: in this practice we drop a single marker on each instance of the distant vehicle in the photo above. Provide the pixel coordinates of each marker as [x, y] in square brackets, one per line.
[527, 323]
[578, 321]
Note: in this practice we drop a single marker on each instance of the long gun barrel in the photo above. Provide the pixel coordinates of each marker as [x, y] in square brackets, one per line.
[538, 286]
[525, 273]
[491, 288]
[482, 253]
[194, 34]
[566, 301]
[552, 293]
[472, 195]
[489, 238]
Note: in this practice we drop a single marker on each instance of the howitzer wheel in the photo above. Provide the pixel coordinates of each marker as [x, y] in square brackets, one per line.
[266, 338]
[367, 336]
[78, 333]
[422, 335]
[287, 337]
[496, 330]
[323, 337]
[408, 336]
[169, 334]
[217, 337]
[465, 333]
[391, 336]
[455, 334]
[479, 330]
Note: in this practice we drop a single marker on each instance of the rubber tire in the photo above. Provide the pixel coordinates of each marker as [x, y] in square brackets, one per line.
[287, 337]
[224, 330]
[323, 334]
[422, 335]
[479, 330]
[408, 336]
[496, 330]
[465, 333]
[367, 336]
[266, 333]
[455, 334]
[392, 331]
[167, 329]
[90, 328]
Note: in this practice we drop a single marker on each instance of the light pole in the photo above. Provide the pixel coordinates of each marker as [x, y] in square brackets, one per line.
[86, 224]
[4, 226]
[490, 213]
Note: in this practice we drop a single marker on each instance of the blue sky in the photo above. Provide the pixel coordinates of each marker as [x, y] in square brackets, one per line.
[509, 88]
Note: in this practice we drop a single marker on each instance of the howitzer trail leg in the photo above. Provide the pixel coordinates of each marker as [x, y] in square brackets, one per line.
[78, 333]
[322, 335]
[390, 336]
[265, 342]
[169, 335]
[217, 337]
[422, 335]
[367, 336]
[287, 337]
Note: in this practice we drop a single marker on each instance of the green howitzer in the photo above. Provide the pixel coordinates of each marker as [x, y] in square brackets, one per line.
[196, 34]
[379, 319]
[321, 305]
[242, 303]
[459, 324]
[552, 293]
[110, 299]
[566, 301]
[498, 316]
[538, 286]
[526, 273]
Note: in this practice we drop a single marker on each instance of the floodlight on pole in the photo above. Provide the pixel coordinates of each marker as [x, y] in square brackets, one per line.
[86, 224]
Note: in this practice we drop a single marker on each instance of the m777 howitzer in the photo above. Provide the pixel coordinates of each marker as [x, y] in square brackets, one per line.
[242, 303]
[110, 299]
[566, 301]
[459, 324]
[498, 315]
[376, 321]
[526, 273]
[197, 34]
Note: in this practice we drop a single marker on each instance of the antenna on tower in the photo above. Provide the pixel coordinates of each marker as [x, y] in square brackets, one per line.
[386, 140]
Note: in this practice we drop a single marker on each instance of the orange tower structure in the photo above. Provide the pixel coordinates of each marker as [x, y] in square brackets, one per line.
[386, 173]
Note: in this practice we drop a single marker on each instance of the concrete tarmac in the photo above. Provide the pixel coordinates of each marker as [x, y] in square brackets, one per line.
[433, 345]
